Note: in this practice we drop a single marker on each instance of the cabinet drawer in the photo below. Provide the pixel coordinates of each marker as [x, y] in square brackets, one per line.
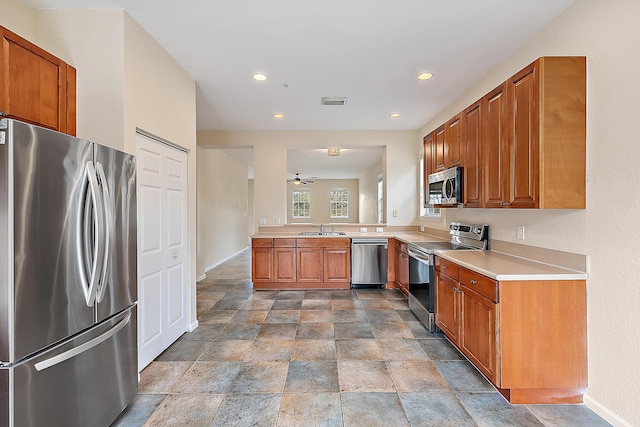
[324, 242]
[261, 243]
[447, 267]
[483, 285]
[284, 243]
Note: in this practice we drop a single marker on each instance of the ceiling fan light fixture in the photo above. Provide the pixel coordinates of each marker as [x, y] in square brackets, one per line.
[333, 151]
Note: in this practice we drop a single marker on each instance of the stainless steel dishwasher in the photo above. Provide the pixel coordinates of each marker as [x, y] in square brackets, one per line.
[369, 262]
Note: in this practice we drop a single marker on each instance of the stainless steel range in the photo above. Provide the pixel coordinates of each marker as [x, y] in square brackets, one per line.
[422, 293]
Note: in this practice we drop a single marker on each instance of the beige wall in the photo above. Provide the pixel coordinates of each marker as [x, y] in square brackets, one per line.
[223, 196]
[125, 81]
[320, 201]
[369, 195]
[609, 35]
[270, 165]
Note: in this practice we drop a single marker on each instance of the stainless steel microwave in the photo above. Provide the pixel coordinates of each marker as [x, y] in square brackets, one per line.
[445, 187]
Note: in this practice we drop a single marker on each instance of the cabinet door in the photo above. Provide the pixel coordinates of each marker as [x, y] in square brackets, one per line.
[495, 149]
[429, 164]
[403, 272]
[472, 148]
[284, 265]
[33, 83]
[447, 306]
[522, 136]
[261, 264]
[310, 264]
[438, 147]
[452, 142]
[337, 262]
[478, 335]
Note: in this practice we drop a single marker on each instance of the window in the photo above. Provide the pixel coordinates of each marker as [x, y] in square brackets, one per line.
[339, 203]
[427, 212]
[301, 203]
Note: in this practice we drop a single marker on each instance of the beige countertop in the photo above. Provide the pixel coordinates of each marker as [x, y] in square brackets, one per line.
[497, 265]
[505, 267]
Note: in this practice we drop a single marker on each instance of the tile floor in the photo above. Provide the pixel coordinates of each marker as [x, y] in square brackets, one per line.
[319, 358]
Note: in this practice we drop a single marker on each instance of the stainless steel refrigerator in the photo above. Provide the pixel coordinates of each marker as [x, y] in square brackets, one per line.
[68, 279]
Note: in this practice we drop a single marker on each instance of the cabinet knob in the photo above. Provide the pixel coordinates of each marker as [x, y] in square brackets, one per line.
[444, 267]
[473, 282]
[505, 204]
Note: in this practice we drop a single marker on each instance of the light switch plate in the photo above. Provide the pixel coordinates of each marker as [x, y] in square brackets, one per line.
[520, 232]
[363, 229]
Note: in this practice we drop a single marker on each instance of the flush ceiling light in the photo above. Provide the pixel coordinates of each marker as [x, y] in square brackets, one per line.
[394, 115]
[259, 77]
[333, 151]
[425, 76]
[278, 116]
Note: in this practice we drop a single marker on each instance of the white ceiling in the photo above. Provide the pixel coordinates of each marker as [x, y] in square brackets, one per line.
[367, 50]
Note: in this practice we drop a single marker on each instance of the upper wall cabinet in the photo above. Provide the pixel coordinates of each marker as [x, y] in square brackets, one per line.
[523, 145]
[35, 86]
[546, 134]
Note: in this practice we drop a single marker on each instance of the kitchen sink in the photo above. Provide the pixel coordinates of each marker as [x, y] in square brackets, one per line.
[326, 233]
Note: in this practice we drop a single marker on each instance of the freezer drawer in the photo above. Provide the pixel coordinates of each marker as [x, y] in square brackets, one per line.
[61, 388]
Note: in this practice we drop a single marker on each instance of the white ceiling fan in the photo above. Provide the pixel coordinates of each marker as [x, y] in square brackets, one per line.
[297, 180]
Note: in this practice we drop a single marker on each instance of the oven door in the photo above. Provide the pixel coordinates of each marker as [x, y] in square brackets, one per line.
[421, 288]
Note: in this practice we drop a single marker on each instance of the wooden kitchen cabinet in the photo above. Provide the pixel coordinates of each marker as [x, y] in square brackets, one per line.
[284, 260]
[452, 137]
[429, 164]
[523, 145]
[527, 337]
[310, 263]
[402, 267]
[471, 146]
[438, 148]
[35, 86]
[495, 153]
[545, 135]
[262, 260]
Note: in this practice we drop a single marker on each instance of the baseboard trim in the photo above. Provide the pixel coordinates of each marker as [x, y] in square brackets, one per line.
[212, 266]
[193, 326]
[604, 412]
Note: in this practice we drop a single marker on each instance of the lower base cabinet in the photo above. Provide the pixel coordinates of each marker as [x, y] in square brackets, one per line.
[309, 263]
[528, 338]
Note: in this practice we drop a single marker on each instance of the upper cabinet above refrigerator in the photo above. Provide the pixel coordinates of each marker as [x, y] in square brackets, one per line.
[35, 86]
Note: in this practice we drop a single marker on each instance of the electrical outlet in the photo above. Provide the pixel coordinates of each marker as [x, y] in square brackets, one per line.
[421, 228]
[363, 229]
[262, 221]
[520, 232]
[277, 220]
[378, 229]
[395, 212]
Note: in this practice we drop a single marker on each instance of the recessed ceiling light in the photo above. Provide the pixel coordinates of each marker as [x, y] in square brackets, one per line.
[278, 116]
[394, 115]
[259, 77]
[425, 76]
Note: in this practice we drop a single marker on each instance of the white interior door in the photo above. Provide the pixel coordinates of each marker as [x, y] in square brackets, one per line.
[163, 249]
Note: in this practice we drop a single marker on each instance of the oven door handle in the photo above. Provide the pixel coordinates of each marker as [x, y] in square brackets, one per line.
[418, 256]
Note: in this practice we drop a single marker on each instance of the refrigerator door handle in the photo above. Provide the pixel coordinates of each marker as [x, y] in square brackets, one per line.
[108, 217]
[90, 287]
[52, 361]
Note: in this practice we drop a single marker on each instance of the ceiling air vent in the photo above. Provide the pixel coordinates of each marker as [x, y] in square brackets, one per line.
[334, 100]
